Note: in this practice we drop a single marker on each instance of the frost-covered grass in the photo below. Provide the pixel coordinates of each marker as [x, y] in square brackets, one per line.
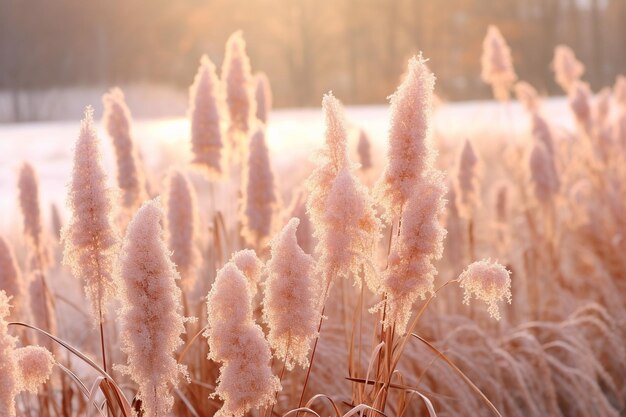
[256, 269]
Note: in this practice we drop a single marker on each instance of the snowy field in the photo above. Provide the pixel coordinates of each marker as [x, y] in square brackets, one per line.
[294, 135]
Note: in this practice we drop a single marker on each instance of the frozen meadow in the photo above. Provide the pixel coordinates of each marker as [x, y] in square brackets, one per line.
[294, 135]
[421, 258]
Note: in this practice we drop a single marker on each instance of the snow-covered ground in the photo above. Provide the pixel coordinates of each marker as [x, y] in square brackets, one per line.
[293, 135]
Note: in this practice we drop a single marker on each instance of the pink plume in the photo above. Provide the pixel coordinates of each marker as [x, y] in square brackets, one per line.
[567, 68]
[151, 319]
[90, 238]
[263, 95]
[411, 273]
[117, 120]
[260, 198]
[410, 151]
[246, 380]
[290, 307]
[182, 227]
[205, 113]
[497, 64]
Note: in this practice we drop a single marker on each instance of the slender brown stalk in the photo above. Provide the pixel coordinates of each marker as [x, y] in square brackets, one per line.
[399, 348]
[104, 356]
[361, 298]
[319, 329]
[382, 336]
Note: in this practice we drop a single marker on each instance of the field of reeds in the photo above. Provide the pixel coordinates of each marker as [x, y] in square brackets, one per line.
[416, 274]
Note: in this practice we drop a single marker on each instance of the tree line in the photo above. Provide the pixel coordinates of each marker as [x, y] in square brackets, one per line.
[356, 48]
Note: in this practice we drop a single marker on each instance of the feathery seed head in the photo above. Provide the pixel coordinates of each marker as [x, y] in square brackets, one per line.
[411, 273]
[602, 107]
[117, 120]
[150, 316]
[246, 380]
[182, 227]
[410, 151]
[340, 208]
[336, 134]
[487, 281]
[205, 113]
[28, 186]
[332, 158]
[34, 364]
[567, 68]
[116, 114]
[11, 279]
[90, 238]
[619, 91]
[580, 102]
[263, 96]
[251, 266]
[22, 369]
[290, 307]
[9, 373]
[497, 64]
[335, 152]
[349, 232]
[260, 197]
[528, 96]
[237, 80]
[229, 307]
[467, 181]
[543, 173]
[542, 131]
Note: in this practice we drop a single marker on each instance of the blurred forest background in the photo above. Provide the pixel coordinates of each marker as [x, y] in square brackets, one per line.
[357, 48]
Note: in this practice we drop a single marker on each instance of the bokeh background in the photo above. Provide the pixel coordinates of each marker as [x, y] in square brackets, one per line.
[57, 55]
